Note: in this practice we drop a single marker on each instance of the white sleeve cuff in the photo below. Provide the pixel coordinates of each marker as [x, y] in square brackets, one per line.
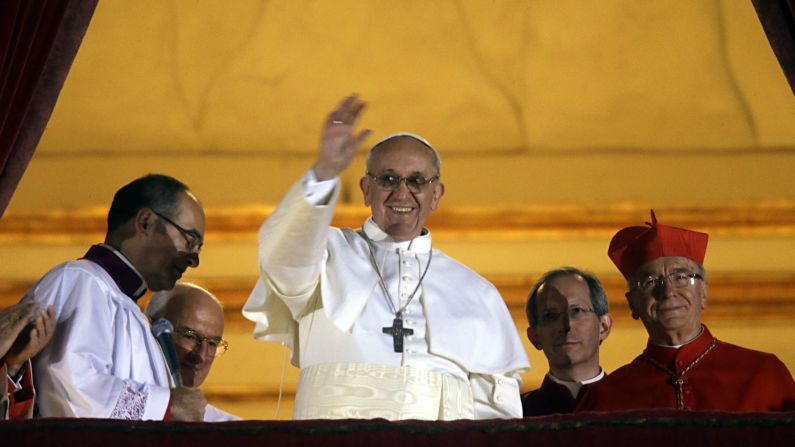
[156, 405]
[16, 382]
[318, 192]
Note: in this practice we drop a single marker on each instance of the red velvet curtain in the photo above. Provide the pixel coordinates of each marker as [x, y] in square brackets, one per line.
[778, 20]
[38, 42]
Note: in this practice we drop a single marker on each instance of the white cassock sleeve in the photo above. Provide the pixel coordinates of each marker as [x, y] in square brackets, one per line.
[292, 247]
[496, 396]
[102, 361]
[293, 240]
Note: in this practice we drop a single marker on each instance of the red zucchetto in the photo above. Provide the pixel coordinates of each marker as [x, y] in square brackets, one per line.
[632, 247]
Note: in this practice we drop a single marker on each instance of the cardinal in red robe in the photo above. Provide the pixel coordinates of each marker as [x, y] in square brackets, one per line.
[683, 366]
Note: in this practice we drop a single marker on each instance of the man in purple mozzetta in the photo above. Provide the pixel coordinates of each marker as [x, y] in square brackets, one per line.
[103, 361]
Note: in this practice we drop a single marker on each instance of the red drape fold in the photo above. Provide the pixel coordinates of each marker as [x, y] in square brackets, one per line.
[38, 42]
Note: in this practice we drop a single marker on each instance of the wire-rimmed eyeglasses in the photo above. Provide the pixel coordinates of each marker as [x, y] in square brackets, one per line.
[576, 313]
[190, 340]
[678, 280]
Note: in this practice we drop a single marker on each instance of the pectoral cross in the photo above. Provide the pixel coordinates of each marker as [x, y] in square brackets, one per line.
[680, 396]
[398, 332]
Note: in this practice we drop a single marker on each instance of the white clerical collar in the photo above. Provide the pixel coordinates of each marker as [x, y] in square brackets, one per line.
[685, 343]
[420, 244]
[143, 287]
[574, 387]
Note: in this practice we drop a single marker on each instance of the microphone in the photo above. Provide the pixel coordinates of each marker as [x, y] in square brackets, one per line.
[162, 330]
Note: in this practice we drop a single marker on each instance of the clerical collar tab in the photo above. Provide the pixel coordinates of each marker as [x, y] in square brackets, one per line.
[420, 244]
[124, 275]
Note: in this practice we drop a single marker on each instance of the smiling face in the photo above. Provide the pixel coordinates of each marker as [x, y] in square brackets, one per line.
[192, 309]
[671, 315]
[400, 213]
[568, 331]
[166, 253]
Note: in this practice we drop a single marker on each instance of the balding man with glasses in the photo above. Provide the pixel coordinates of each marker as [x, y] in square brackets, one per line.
[198, 321]
[683, 365]
[381, 324]
[103, 361]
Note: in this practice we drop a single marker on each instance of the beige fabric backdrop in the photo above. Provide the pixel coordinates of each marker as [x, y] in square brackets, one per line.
[551, 116]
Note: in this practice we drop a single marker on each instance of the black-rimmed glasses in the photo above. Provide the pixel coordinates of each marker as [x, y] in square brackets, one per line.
[192, 239]
[390, 182]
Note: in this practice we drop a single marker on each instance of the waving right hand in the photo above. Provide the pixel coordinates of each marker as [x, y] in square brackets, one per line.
[338, 144]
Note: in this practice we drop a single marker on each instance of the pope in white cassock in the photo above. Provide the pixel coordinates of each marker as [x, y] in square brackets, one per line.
[103, 361]
[381, 324]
